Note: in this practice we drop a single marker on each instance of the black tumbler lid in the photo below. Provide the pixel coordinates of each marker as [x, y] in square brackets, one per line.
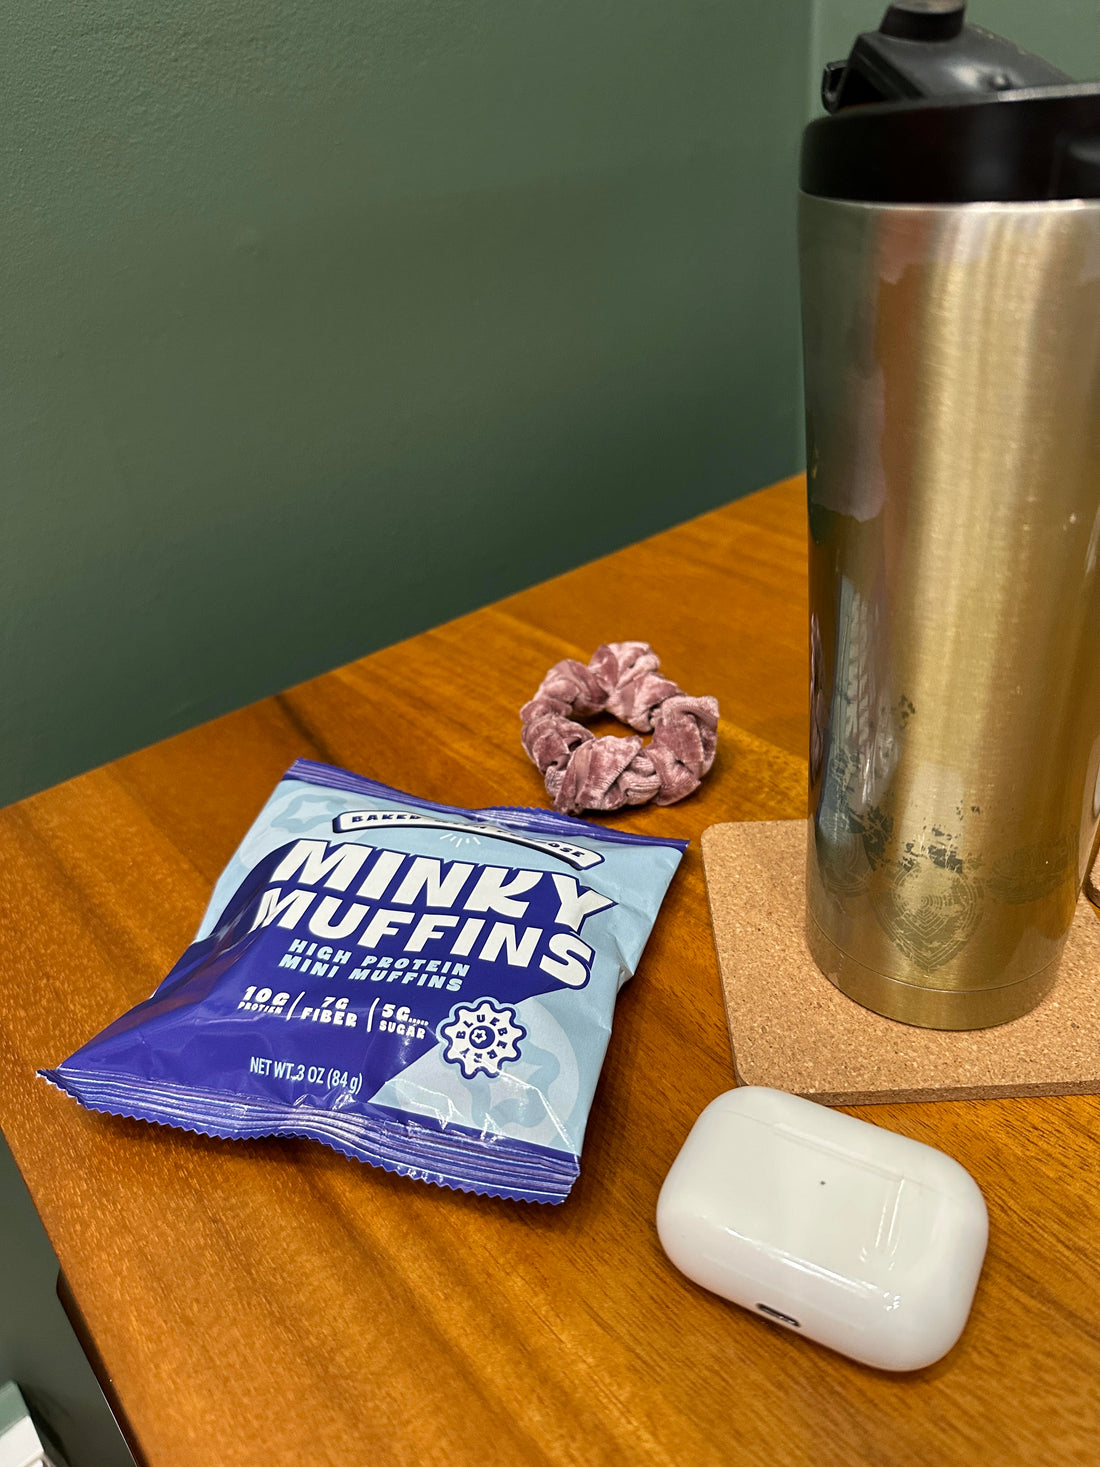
[928, 109]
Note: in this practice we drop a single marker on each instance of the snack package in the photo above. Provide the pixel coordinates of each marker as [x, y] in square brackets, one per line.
[420, 987]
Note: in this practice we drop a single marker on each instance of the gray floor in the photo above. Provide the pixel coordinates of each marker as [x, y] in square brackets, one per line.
[38, 1349]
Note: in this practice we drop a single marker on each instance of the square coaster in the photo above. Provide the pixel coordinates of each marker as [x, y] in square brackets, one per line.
[791, 1029]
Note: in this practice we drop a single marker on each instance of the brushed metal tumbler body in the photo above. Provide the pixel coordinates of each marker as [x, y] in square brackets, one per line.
[952, 357]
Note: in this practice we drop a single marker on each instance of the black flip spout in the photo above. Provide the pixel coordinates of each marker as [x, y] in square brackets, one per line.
[928, 109]
[924, 48]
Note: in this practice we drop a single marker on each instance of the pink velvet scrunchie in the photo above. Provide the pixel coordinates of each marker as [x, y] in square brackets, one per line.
[583, 772]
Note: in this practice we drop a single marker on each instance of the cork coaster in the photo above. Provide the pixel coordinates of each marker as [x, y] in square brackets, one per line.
[791, 1029]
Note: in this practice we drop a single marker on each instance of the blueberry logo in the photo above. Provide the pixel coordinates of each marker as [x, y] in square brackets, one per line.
[480, 1037]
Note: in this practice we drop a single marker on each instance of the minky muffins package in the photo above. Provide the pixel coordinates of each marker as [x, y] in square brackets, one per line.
[421, 987]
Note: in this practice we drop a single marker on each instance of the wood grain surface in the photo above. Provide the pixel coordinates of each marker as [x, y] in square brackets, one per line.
[272, 1302]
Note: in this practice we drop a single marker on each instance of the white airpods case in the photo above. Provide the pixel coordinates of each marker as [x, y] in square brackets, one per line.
[842, 1231]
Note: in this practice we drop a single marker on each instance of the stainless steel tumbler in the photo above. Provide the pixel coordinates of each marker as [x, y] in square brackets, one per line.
[950, 250]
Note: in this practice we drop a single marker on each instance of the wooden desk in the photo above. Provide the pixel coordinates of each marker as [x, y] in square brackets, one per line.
[272, 1303]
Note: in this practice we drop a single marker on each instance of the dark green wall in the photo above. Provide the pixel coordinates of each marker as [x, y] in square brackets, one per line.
[324, 322]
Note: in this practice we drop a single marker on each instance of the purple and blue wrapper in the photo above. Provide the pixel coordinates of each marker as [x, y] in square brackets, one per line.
[421, 987]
